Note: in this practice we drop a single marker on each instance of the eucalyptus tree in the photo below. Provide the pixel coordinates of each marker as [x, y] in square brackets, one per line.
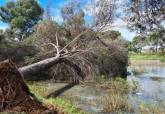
[138, 43]
[146, 16]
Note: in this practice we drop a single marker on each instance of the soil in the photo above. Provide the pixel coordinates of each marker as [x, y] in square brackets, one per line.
[15, 95]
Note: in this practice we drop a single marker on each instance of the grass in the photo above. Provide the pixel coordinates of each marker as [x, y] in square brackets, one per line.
[117, 100]
[156, 78]
[138, 71]
[135, 56]
[151, 109]
[117, 103]
[65, 105]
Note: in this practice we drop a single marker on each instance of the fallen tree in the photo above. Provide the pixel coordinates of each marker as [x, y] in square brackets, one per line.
[60, 57]
[84, 61]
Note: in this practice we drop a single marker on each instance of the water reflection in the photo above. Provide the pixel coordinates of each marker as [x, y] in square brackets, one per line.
[151, 81]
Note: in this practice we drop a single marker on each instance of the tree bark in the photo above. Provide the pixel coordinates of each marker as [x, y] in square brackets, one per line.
[39, 66]
[36, 68]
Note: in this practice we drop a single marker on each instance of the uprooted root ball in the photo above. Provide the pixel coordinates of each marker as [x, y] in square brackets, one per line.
[15, 95]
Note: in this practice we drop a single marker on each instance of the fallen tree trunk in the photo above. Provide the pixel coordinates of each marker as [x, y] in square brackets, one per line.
[33, 69]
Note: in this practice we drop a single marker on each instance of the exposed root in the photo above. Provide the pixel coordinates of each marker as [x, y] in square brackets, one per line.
[15, 95]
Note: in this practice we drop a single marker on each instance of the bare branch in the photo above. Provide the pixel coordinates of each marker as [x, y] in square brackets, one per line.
[76, 38]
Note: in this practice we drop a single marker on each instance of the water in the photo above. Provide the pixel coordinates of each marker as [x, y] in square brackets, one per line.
[151, 83]
[150, 80]
[88, 98]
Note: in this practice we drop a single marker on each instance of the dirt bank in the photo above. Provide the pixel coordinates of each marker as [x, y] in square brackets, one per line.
[146, 62]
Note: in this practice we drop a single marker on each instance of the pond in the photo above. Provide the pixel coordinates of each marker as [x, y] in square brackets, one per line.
[150, 80]
[151, 84]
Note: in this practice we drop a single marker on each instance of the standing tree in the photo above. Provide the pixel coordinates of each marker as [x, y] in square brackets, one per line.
[154, 40]
[146, 15]
[73, 18]
[21, 15]
[162, 40]
[138, 43]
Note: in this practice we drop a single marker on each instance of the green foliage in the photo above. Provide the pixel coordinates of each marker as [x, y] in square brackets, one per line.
[132, 46]
[138, 43]
[17, 52]
[113, 62]
[1, 40]
[1, 36]
[155, 41]
[110, 35]
[101, 79]
[22, 14]
[121, 85]
[68, 107]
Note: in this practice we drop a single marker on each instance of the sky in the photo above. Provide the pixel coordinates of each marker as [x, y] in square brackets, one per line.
[56, 5]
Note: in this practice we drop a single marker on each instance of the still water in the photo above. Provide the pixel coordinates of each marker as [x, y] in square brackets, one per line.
[149, 79]
[151, 84]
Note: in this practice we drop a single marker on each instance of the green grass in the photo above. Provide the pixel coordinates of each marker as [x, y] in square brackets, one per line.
[146, 108]
[41, 92]
[160, 57]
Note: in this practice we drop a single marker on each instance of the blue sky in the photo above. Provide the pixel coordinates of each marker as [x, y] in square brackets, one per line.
[56, 6]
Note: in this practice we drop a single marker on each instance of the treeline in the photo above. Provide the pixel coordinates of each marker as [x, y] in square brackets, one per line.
[153, 43]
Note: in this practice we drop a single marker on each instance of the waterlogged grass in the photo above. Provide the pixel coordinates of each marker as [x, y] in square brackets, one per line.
[117, 99]
[41, 92]
[117, 103]
[146, 108]
[156, 78]
[138, 70]
[160, 57]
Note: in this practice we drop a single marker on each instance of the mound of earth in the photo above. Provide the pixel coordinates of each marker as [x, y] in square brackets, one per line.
[15, 95]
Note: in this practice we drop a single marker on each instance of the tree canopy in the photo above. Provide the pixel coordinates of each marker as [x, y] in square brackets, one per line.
[146, 15]
[21, 15]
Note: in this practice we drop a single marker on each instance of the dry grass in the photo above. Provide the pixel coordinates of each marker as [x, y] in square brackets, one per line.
[154, 109]
[117, 103]
[117, 100]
